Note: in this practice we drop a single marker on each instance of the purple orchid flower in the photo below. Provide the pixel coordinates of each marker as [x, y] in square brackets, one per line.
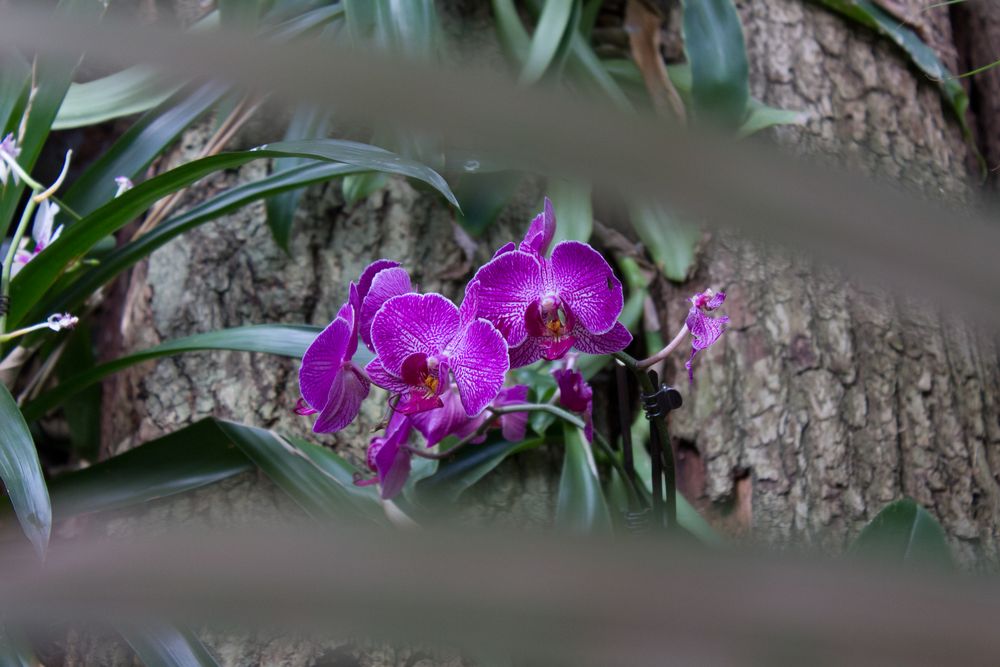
[704, 330]
[389, 457]
[451, 418]
[330, 382]
[544, 306]
[42, 233]
[577, 396]
[422, 340]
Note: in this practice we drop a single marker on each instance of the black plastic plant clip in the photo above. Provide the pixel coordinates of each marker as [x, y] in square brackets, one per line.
[661, 401]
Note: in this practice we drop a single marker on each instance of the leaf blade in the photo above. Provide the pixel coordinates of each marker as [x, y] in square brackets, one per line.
[716, 52]
[21, 472]
[580, 507]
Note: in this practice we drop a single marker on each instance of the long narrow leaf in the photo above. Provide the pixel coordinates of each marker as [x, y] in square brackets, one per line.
[124, 257]
[21, 473]
[904, 533]
[716, 52]
[369, 157]
[14, 77]
[279, 339]
[554, 23]
[306, 123]
[137, 148]
[318, 492]
[581, 507]
[188, 459]
[130, 91]
[162, 645]
[671, 243]
[573, 210]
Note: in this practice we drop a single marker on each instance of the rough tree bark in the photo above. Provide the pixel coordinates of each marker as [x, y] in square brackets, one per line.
[824, 402]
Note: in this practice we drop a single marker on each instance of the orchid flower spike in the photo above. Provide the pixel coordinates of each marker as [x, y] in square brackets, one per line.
[545, 306]
[452, 420]
[9, 151]
[576, 394]
[705, 330]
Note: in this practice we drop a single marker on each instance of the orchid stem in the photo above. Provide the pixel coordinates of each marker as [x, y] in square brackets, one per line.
[665, 352]
[8, 264]
[661, 434]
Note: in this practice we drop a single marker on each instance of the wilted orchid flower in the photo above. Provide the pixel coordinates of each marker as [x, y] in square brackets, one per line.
[576, 395]
[41, 232]
[422, 340]
[9, 151]
[544, 306]
[389, 457]
[451, 418]
[704, 330]
[124, 184]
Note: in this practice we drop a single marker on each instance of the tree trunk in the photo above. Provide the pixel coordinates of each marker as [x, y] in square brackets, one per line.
[823, 403]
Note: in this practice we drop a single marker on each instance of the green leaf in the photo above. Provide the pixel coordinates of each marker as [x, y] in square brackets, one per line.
[188, 459]
[513, 37]
[713, 42]
[671, 243]
[761, 117]
[365, 499]
[555, 26]
[53, 76]
[130, 91]
[320, 493]
[904, 533]
[307, 123]
[458, 473]
[83, 409]
[21, 473]
[369, 157]
[139, 146]
[126, 256]
[358, 187]
[163, 645]
[869, 14]
[580, 507]
[571, 202]
[14, 651]
[15, 74]
[483, 197]
[280, 339]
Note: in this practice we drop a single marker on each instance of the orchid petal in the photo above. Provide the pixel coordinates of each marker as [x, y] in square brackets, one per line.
[349, 389]
[508, 284]
[470, 304]
[413, 323]
[541, 231]
[584, 280]
[322, 361]
[613, 341]
[383, 378]
[479, 363]
[526, 353]
[413, 403]
[384, 285]
[449, 419]
[510, 246]
[369, 273]
[390, 458]
[513, 425]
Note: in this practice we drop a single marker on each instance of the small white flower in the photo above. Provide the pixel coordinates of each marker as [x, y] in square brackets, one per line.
[61, 321]
[8, 151]
[124, 185]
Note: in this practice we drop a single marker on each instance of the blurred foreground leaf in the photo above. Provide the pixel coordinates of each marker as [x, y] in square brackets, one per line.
[716, 53]
[906, 534]
[21, 473]
[162, 645]
[580, 507]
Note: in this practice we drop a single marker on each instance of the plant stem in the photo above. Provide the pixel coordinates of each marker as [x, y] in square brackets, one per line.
[635, 493]
[665, 352]
[660, 432]
[8, 264]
